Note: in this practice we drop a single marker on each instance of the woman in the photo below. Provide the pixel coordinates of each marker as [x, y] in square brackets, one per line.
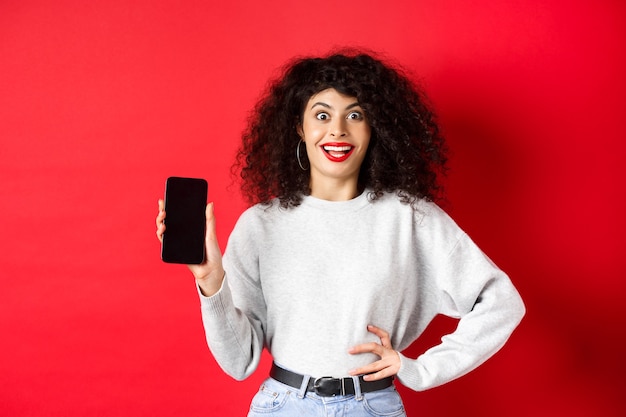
[344, 259]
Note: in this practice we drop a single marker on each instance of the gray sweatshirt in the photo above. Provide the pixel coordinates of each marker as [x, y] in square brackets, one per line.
[305, 282]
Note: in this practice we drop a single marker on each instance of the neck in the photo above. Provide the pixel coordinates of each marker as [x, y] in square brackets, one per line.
[335, 190]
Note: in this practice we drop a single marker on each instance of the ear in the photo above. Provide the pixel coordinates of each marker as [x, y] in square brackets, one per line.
[300, 131]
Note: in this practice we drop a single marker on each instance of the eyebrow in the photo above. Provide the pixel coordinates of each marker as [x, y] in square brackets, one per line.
[320, 103]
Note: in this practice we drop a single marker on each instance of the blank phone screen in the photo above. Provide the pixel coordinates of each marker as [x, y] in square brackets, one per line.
[185, 221]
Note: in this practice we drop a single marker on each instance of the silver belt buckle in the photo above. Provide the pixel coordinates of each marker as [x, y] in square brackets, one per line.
[327, 386]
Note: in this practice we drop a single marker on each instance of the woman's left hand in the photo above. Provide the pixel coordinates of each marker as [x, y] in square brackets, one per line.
[389, 363]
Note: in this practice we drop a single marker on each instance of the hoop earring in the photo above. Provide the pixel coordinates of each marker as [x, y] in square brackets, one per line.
[298, 156]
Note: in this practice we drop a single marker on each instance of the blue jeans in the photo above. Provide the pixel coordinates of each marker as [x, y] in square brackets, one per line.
[276, 399]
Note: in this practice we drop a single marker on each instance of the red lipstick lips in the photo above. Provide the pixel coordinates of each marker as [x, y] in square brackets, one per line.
[337, 151]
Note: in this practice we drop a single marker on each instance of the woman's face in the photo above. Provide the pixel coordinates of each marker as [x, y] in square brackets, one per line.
[337, 135]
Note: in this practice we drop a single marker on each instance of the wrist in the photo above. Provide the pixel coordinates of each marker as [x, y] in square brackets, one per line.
[211, 284]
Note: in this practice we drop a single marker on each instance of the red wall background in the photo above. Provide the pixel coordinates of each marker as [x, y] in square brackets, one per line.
[100, 101]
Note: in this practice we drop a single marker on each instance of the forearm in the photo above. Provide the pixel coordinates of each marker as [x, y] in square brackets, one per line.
[478, 336]
[234, 338]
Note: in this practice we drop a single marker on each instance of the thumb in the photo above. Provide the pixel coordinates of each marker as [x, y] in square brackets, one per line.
[212, 247]
[211, 234]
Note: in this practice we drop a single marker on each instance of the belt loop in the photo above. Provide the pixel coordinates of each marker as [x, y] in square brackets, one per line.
[304, 386]
[357, 388]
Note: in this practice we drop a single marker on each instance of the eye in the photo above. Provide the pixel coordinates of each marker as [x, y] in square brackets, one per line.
[355, 115]
[322, 115]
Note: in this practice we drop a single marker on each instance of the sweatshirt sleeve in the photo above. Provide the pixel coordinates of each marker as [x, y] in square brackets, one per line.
[234, 317]
[473, 289]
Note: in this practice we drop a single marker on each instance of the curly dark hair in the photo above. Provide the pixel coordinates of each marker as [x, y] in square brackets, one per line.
[406, 154]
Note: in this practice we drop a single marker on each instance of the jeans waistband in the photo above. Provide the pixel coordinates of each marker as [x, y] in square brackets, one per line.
[327, 386]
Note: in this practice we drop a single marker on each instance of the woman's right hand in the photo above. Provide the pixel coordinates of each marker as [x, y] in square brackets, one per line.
[210, 273]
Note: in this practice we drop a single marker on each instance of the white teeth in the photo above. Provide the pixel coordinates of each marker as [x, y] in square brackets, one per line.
[337, 148]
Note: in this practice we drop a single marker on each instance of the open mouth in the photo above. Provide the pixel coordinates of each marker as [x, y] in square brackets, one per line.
[337, 152]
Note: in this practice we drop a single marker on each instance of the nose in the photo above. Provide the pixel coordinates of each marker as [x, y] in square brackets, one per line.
[337, 128]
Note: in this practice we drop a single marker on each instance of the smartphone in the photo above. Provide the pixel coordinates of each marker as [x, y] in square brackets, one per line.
[185, 220]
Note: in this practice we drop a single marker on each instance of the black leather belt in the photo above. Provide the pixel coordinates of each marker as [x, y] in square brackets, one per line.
[327, 386]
